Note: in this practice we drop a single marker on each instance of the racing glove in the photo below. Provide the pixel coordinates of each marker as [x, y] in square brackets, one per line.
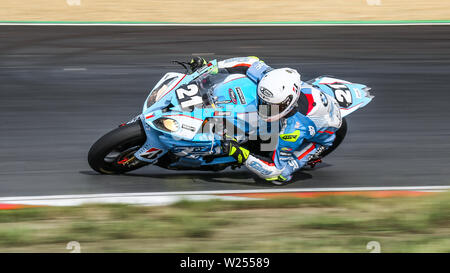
[231, 147]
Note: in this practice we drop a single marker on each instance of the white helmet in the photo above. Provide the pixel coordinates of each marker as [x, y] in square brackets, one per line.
[278, 92]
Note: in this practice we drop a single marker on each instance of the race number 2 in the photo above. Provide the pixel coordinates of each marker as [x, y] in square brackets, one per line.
[342, 94]
[189, 96]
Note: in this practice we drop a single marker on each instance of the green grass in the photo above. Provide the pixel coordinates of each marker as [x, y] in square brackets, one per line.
[326, 224]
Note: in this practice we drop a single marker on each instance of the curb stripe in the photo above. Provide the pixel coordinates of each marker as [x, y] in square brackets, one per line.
[374, 194]
[167, 198]
[273, 190]
[15, 206]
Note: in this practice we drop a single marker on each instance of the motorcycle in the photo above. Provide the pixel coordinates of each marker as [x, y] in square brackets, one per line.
[185, 115]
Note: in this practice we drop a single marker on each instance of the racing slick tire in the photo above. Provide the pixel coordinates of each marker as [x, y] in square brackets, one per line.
[340, 135]
[108, 154]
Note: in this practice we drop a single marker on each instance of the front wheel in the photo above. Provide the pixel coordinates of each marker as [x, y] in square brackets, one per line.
[114, 152]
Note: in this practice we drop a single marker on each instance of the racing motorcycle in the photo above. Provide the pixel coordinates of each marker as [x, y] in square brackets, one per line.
[184, 114]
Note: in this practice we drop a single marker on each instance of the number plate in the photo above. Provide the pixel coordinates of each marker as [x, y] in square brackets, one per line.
[189, 96]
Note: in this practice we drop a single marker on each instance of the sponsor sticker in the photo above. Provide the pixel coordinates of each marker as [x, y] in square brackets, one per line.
[232, 96]
[294, 165]
[265, 92]
[312, 131]
[255, 165]
[222, 113]
[151, 153]
[188, 127]
[357, 93]
[292, 137]
[324, 99]
[185, 150]
[240, 95]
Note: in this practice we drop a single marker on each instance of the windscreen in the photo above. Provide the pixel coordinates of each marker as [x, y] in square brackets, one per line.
[159, 91]
[199, 92]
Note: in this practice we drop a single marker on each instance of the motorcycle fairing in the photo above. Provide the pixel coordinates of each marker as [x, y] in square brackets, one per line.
[350, 96]
[152, 145]
[238, 89]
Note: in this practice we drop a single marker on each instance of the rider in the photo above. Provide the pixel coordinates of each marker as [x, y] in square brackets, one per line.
[308, 119]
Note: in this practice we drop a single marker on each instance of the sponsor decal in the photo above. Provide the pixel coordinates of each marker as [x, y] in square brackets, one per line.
[255, 165]
[294, 165]
[266, 93]
[292, 137]
[222, 113]
[185, 150]
[286, 149]
[151, 153]
[312, 131]
[188, 127]
[259, 65]
[193, 156]
[240, 95]
[232, 96]
[324, 99]
[223, 102]
[357, 93]
[295, 89]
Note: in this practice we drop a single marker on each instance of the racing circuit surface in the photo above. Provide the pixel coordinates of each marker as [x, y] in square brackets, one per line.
[62, 87]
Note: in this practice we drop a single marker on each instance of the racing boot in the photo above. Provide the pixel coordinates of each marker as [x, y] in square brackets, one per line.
[316, 157]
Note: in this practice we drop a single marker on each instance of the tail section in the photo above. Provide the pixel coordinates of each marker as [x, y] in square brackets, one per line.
[350, 96]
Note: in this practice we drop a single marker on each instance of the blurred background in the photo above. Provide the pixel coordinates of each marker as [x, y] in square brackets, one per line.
[222, 11]
[61, 88]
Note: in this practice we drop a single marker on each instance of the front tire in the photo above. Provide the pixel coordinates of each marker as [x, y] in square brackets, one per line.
[109, 154]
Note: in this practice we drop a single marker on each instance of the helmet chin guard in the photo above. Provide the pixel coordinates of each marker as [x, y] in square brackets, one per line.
[278, 92]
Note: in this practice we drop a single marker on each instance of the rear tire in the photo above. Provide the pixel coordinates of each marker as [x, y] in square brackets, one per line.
[340, 135]
[123, 141]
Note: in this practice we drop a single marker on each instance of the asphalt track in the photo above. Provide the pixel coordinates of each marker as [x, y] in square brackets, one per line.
[61, 88]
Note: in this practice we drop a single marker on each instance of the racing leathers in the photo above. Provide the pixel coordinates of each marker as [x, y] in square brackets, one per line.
[304, 133]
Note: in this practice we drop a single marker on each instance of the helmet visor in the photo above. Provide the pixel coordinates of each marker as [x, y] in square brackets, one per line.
[269, 111]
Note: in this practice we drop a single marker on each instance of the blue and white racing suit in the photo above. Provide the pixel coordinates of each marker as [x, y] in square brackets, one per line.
[302, 132]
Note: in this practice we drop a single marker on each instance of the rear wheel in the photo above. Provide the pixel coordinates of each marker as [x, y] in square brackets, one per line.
[114, 152]
[340, 135]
